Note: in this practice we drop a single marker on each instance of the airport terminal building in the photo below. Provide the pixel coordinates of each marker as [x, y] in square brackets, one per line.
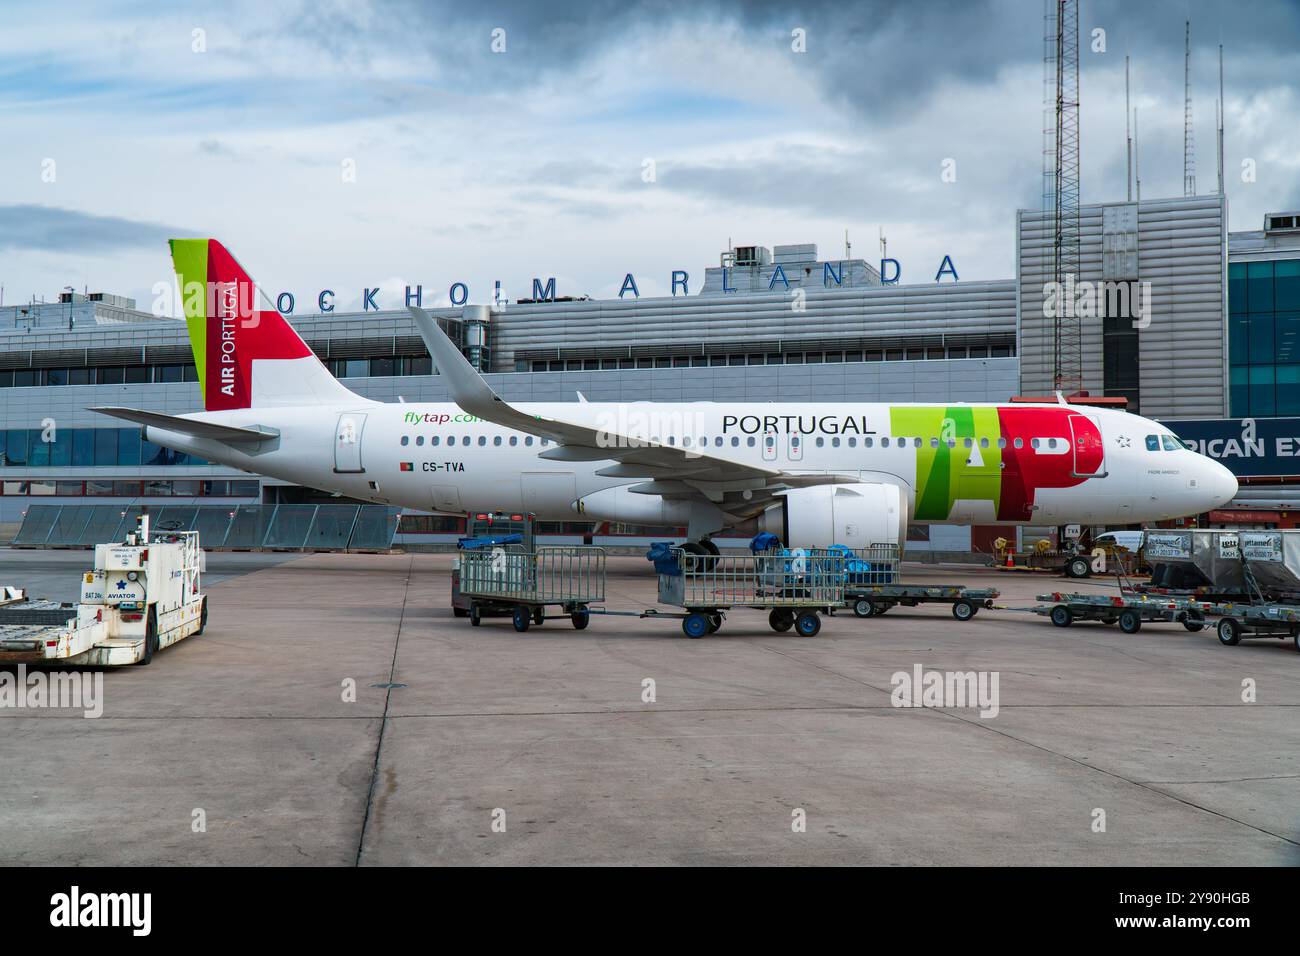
[1216, 355]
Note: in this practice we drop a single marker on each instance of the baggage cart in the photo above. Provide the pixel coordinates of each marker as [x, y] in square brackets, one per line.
[523, 583]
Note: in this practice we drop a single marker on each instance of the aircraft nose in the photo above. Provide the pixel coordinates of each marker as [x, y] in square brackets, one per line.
[1220, 483]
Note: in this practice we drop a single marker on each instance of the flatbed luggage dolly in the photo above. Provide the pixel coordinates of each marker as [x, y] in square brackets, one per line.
[794, 587]
[524, 583]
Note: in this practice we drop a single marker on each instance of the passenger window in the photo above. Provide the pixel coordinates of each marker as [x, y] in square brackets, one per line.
[1033, 443]
[884, 442]
[451, 440]
[717, 442]
[528, 440]
[916, 442]
[514, 440]
[735, 441]
[984, 443]
[835, 443]
[482, 439]
[434, 440]
[934, 443]
[496, 440]
[1002, 443]
[1171, 443]
[545, 442]
[750, 441]
[419, 440]
[1019, 443]
[821, 442]
[406, 439]
[968, 443]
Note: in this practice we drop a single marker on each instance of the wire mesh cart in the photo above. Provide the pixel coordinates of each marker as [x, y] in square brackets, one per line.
[793, 587]
[524, 583]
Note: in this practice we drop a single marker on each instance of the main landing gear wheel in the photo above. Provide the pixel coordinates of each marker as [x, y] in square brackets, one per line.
[1229, 632]
[780, 620]
[1078, 568]
[580, 618]
[807, 624]
[964, 610]
[1130, 621]
[695, 625]
[1061, 616]
[522, 618]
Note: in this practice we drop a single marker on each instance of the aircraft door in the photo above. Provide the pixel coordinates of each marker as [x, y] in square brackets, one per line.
[347, 443]
[1089, 450]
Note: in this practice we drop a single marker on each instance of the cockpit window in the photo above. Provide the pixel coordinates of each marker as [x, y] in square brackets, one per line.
[1171, 443]
[1153, 443]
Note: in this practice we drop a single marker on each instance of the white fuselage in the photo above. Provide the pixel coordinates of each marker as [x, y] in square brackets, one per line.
[434, 457]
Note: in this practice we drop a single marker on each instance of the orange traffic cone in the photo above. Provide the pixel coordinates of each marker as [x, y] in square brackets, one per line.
[1011, 561]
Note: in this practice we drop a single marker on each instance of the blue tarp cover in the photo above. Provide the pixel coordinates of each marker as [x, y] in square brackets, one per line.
[664, 560]
[472, 544]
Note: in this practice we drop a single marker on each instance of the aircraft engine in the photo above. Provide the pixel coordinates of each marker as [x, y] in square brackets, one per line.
[856, 515]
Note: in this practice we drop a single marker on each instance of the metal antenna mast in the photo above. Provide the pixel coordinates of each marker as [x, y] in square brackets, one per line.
[1189, 141]
[1222, 109]
[1128, 135]
[1061, 183]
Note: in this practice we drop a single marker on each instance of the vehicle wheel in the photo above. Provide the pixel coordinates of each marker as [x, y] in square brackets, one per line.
[203, 617]
[780, 620]
[864, 608]
[1229, 632]
[807, 624]
[695, 625]
[1193, 623]
[1061, 616]
[963, 610]
[580, 618]
[709, 547]
[539, 615]
[1130, 621]
[715, 623]
[475, 615]
[1078, 568]
[150, 638]
[459, 612]
[522, 618]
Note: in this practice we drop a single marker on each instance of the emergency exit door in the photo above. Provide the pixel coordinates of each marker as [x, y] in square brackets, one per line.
[347, 443]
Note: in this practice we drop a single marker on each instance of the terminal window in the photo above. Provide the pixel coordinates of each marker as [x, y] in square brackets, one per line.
[1264, 337]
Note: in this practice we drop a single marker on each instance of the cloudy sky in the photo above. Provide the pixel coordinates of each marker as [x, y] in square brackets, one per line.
[354, 143]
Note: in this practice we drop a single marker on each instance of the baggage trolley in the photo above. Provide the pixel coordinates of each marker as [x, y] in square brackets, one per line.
[1128, 610]
[1238, 622]
[794, 587]
[524, 583]
[873, 585]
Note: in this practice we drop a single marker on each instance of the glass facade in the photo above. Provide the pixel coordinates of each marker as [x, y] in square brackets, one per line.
[1264, 338]
[81, 447]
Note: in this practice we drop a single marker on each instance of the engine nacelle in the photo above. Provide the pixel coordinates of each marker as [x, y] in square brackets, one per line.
[619, 504]
[856, 515]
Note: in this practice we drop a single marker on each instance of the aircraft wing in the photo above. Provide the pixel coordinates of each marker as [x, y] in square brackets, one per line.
[672, 471]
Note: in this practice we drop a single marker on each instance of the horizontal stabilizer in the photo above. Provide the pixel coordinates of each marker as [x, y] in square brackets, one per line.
[230, 434]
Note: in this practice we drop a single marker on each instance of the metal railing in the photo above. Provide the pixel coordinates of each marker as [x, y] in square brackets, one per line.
[280, 527]
[874, 564]
[801, 578]
[548, 575]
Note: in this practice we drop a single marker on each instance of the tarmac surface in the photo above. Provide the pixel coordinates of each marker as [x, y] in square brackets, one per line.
[494, 747]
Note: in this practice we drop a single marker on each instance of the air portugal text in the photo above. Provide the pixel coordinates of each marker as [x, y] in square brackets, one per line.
[797, 424]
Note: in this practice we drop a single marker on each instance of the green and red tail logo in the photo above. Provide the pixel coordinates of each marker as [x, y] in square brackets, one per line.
[229, 330]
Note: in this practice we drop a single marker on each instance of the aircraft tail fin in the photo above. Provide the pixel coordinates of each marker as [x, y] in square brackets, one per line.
[246, 353]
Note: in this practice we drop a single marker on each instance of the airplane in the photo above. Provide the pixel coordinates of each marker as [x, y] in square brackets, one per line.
[815, 474]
